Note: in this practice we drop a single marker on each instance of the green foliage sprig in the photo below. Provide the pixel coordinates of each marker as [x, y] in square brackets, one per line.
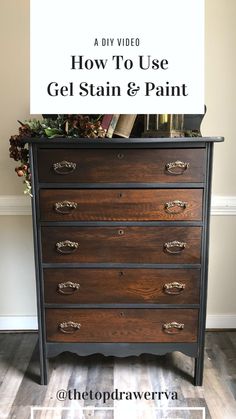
[63, 126]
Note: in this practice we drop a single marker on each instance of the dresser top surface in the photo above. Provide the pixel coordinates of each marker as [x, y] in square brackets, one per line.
[145, 142]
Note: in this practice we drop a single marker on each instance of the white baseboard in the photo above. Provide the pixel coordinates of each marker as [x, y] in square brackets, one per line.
[18, 323]
[221, 321]
[214, 321]
[20, 205]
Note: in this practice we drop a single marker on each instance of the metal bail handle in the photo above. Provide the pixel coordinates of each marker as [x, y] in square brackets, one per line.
[64, 167]
[172, 328]
[68, 288]
[175, 247]
[69, 327]
[177, 167]
[65, 207]
[67, 247]
[175, 207]
[173, 288]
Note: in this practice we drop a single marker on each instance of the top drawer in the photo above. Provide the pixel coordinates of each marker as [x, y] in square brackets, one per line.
[121, 165]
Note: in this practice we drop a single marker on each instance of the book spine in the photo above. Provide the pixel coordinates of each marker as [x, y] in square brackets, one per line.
[112, 125]
[125, 125]
[106, 120]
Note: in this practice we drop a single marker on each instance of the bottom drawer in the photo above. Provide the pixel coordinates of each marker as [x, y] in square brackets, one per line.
[121, 325]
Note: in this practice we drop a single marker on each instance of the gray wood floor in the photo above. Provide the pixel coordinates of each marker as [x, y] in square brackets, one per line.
[19, 388]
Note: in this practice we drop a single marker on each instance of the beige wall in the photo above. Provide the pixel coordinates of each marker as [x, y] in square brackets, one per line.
[222, 283]
[17, 295]
[14, 82]
[220, 90]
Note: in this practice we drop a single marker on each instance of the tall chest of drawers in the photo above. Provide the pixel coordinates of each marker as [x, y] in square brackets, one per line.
[121, 231]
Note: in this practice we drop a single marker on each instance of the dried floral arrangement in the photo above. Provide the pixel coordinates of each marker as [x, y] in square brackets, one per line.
[83, 126]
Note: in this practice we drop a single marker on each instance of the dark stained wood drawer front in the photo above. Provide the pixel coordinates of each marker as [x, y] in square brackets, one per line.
[121, 204]
[121, 325]
[108, 286]
[121, 244]
[121, 165]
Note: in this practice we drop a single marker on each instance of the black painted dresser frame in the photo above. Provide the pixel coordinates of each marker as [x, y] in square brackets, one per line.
[195, 349]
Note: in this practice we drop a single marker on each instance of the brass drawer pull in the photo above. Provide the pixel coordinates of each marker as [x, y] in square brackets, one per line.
[175, 247]
[69, 327]
[64, 167]
[175, 207]
[177, 167]
[68, 288]
[173, 327]
[67, 247]
[65, 207]
[173, 288]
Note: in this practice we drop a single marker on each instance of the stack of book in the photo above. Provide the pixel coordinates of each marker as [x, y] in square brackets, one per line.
[118, 125]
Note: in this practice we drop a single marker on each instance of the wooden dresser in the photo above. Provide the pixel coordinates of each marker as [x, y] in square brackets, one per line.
[121, 245]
